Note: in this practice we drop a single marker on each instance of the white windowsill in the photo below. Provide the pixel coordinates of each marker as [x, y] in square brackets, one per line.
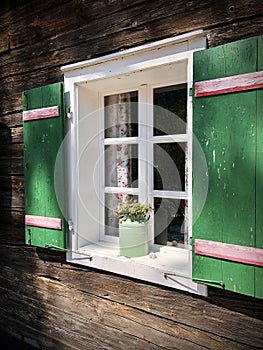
[169, 263]
[160, 63]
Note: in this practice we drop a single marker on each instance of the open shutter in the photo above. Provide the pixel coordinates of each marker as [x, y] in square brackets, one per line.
[228, 124]
[44, 131]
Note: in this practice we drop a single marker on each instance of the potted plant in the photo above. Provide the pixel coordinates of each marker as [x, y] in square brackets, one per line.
[133, 228]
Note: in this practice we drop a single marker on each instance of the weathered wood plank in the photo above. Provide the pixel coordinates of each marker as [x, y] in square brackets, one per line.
[71, 307]
[11, 120]
[4, 44]
[12, 192]
[71, 15]
[49, 71]
[11, 159]
[13, 150]
[14, 166]
[68, 14]
[41, 113]
[7, 5]
[148, 24]
[181, 308]
[10, 135]
[106, 314]
[235, 83]
[12, 227]
[232, 252]
[43, 221]
[235, 31]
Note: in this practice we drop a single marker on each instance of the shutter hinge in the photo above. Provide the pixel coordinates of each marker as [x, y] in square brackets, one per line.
[67, 105]
[191, 91]
[24, 101]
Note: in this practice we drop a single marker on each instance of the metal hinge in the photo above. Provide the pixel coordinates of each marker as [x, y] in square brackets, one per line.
[67, 105]
[191, 92]
[24, 101]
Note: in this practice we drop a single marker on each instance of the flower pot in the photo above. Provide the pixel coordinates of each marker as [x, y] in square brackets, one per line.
[133, 238]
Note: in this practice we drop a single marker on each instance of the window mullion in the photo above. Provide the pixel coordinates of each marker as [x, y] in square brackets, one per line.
[102, 166]
[142, 152]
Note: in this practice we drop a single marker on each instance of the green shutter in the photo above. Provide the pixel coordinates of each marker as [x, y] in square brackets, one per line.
[259, 176]
[44, 131]
[229, 128]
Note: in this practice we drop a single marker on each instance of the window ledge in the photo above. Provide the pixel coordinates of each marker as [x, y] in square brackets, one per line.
[163, 265]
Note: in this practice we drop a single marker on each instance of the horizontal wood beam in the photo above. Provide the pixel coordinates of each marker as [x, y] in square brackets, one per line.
[41, 113]
[43, 221]
[235, 83]
[232, 252]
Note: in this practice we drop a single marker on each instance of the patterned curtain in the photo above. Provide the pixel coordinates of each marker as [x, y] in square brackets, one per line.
[117, 157]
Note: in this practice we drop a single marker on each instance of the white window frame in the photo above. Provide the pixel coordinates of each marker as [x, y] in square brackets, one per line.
[172, 266]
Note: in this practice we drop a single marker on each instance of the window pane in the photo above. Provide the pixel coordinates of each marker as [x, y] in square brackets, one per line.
[111, 221]
[121, 165]
[121, 115]
[170, 221]
[170, 110]
[169, 166]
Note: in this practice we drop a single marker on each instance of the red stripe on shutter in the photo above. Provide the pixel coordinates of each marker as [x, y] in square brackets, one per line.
[41, 113]
[242, 254]
[42, 221]
[235, 83]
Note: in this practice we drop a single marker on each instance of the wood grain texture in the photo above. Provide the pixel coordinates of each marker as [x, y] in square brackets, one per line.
[236, 83]
[41, 113]
[232, 252]
[111, 305]
[60, 306]
[43, 221]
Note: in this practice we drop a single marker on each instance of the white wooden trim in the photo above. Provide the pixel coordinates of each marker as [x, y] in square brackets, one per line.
[157, 45]
[121, 140]
[170, 194]
[170, 138]
[91, 74]
[124, 190]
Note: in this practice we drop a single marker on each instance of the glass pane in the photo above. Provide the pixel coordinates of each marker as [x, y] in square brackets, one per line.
[111, 202]
[169, 166]
[121, 115]
[170, 221]
[170, 110]
[121, 165]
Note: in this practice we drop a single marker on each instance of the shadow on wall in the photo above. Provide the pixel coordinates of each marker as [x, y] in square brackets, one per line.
[9, 342]
[5, 181]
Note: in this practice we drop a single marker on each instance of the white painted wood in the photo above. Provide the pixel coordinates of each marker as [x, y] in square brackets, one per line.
[105, 256]
[143, 68]
[121, 140]
[170, 194]
[194, 40]
[124, 190]
[170, 138]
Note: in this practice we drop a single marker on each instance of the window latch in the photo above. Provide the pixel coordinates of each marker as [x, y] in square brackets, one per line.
[70, 225]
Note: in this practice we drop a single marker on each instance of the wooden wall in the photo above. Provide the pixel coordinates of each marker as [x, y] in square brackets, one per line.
[54, 305]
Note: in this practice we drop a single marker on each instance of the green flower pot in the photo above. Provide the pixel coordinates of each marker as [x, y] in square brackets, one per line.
[133, 238]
